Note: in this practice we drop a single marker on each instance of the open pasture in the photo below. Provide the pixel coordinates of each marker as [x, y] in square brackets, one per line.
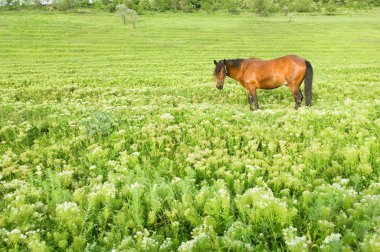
[116, 138]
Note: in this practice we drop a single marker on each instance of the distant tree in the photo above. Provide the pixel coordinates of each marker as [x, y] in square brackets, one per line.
[128, 3]
[285, 9]
[186, 5]
[127, 15]
[82, 3]
[303, 6]
[231, 6]
[330, 9]
[243, 4]
[37, 3]
[290, 16]
[211, 5]
[160, 5]
[11, 4]
[63, 5]
[144, 5]
[262, 7]
[196, 4]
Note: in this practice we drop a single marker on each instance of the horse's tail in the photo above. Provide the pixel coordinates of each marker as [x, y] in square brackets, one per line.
[308, 83]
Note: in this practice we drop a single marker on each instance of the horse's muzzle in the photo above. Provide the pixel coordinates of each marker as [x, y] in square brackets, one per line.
[220, 87]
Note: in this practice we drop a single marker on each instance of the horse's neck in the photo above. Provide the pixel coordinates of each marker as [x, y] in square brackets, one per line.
[234, 71]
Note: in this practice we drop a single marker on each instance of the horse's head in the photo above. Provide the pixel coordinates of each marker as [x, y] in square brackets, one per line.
[220, 73]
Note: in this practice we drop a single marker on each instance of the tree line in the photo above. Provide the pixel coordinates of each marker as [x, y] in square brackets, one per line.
[262, 7]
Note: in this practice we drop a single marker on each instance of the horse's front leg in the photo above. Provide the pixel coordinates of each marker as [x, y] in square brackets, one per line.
[252, 99]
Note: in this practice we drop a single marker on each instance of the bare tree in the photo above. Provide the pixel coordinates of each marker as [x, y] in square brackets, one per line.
[127, 15]
[290, 16]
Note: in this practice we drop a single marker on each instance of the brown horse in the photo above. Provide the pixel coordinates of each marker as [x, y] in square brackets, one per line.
[255, 74]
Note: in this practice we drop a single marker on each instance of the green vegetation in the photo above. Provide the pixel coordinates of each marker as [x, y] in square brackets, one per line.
[262, 7]
[116, 138]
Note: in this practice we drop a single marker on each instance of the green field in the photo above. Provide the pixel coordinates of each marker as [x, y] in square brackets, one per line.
[116, 138]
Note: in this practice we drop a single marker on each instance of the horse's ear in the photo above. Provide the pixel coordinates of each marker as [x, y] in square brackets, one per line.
[225, 62]
[216, 63]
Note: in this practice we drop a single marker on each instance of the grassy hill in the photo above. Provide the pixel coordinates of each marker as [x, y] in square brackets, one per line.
[116, 138]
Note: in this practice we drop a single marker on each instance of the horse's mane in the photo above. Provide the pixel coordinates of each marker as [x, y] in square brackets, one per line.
[231, 62]
[235, 62]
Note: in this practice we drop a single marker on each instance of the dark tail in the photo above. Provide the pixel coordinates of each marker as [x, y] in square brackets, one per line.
[308, 83]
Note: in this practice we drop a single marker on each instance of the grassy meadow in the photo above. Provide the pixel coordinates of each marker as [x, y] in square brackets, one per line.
[113, 138]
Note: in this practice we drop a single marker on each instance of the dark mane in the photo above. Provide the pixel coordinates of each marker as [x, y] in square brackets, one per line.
[235, 62]
[231, 62]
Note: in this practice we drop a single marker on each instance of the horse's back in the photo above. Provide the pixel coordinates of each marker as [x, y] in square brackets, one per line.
[274, 72]
[274, 63]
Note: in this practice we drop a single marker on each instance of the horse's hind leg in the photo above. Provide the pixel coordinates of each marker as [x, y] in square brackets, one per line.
[297, 94]
[298, 97]
[252, 99]
[294, 86]
[300, 92]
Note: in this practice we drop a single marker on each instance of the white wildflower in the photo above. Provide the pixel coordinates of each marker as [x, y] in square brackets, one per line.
[167, 117]
[137, 185]
[66, 210]
[294, 242]
[331, 242]
[332, 238]
[166, 245]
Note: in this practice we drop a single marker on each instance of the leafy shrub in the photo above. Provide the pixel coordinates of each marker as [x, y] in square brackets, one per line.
[330, 9]
[303, 6]
[259, 205]
[99, 124]
[262, 7]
